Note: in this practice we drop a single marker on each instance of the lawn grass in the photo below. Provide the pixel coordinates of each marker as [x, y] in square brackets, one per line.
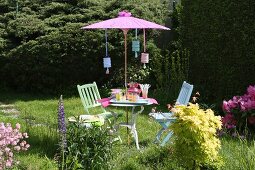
[38, 116]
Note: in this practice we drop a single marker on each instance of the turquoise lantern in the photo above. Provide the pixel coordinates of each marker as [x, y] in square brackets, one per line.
[136, 45]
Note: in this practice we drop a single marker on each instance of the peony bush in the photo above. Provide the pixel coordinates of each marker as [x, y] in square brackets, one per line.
[11, 141]
[240, 111]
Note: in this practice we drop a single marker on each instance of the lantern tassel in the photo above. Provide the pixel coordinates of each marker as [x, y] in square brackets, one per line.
[136, 55]
[107, 71]
[144, 66]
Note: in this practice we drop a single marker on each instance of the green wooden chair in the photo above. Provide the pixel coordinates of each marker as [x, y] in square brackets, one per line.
[165, 119]
[89, 95]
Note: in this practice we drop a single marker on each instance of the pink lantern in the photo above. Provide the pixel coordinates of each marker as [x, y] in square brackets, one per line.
[144, 59]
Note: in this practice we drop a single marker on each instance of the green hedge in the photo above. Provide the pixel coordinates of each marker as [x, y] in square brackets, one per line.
[220, 37]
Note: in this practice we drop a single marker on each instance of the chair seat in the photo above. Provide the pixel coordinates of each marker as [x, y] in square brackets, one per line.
[106, 115]
[163, 117]
[88, 120]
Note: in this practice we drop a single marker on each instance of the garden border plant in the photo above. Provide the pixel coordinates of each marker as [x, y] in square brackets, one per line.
[240, 113]
[195, 141]
[11, 141]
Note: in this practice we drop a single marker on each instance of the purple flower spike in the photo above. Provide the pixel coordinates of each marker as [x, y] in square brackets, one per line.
[61, 122]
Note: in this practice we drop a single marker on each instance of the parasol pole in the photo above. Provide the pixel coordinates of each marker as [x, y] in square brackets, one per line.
[125, 37]
[125, 31]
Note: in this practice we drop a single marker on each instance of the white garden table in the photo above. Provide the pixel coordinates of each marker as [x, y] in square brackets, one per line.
[132, 124]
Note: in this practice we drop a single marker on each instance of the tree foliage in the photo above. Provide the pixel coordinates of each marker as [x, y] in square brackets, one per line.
[43, 48]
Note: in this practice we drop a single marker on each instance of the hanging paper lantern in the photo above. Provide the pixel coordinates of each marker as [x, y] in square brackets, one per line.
[135, 47]
[144, 55]
[106, 59]
[107, 64]
[145, 59]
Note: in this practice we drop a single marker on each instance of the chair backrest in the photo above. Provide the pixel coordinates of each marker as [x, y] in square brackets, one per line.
[184, 94]
[89, 95]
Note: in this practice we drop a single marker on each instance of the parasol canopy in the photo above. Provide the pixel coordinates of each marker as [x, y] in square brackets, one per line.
[125, 21]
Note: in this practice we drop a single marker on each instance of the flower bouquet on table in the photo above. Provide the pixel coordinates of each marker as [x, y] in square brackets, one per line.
[133, 91]
[240, 112]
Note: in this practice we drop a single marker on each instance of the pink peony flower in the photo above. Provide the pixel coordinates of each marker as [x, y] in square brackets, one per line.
[232, 104]
[251, 90]
[230, 126]
[229, 121]
[225, 106]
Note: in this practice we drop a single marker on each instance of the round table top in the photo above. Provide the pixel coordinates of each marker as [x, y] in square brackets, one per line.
[127, 103]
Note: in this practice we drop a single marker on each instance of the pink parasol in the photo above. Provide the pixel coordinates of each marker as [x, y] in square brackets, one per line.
[125, 22]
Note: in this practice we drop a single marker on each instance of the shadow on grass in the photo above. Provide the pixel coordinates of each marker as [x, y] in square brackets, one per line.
[11, 96]
[43, 140]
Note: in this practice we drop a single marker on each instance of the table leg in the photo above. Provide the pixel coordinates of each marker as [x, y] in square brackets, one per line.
[128, 139]
[133, 126]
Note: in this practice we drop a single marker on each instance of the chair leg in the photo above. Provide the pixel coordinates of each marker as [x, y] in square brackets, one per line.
[114, 131]
[116, 128]
[157, 140]
[168, 136]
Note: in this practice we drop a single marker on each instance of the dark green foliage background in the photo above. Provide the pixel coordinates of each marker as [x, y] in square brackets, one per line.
[42, 47]
[221, 38]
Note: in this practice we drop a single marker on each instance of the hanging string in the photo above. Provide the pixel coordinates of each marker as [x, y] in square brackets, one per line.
[144, 55]
[106, 44]
[144, 45]
[136, 33]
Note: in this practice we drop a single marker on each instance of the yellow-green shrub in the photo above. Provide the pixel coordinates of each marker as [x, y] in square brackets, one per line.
[195, 142]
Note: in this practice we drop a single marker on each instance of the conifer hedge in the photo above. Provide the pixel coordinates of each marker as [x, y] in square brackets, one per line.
[220, 36]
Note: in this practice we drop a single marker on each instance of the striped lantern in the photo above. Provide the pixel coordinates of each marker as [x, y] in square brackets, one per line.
[136, 47]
